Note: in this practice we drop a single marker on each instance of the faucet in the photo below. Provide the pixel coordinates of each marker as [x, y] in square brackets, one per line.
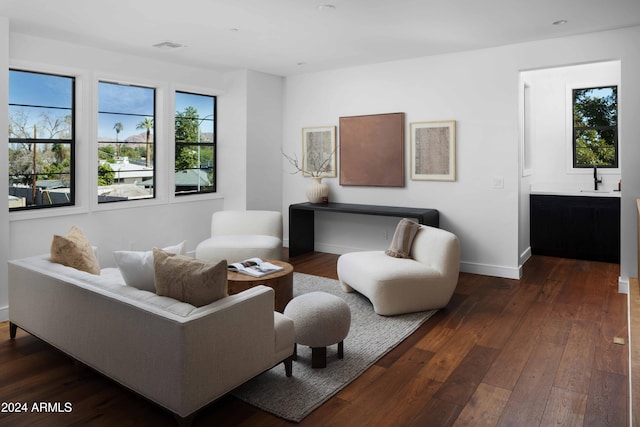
[596, 181]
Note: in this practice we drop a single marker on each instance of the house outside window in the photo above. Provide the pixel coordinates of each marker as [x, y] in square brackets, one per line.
[595, 127]
[195, 143]
[41, 140]
[126, 142]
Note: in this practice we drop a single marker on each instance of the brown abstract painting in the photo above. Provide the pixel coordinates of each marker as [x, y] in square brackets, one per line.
[372, 150]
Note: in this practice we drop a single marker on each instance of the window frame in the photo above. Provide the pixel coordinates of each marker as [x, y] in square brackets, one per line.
[157, 107]
[574, 129]
[72, 142]
[213, 143]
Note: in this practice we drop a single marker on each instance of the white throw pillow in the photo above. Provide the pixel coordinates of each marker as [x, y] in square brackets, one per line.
[137, 266]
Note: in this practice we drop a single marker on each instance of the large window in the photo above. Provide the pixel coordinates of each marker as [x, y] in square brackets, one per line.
[195, 133]
[126, 142]
[41, 140]
[595, 127]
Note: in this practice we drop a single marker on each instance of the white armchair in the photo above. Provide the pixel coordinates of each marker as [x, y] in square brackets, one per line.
[238, 235]
[425, 281]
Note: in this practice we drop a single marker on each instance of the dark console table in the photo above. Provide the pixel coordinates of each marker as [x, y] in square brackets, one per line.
[301, 220]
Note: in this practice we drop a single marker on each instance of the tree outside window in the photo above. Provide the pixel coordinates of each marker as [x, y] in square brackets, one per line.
[595, 127]
[195, 143]
[41, 140]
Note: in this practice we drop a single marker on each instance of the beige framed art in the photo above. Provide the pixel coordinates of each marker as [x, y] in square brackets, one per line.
[319, 151]
[433, 151]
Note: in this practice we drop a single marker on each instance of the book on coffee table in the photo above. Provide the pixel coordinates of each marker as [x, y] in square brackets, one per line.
[255, 267]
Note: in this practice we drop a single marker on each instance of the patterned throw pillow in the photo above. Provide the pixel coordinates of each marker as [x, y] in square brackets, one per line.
[403, 238]
[189, 280]
[74, 250]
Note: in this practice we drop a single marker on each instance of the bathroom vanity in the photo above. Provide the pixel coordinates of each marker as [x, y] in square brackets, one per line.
[579, 225]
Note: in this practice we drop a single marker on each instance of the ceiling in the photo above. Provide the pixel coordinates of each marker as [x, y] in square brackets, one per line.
[286, 37]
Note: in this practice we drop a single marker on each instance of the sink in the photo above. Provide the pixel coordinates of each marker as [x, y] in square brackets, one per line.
[573, 190]
[600, 193]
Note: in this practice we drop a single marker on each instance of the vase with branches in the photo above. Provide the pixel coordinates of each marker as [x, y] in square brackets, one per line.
[316, 166]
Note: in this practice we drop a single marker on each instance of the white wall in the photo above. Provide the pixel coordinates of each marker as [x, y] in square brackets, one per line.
[526, 161]
[550, 114]
[628, 131]
[480, 90]
[137, 225]
[4, 158]
[232, 140]
[459, 87]
[264, 141]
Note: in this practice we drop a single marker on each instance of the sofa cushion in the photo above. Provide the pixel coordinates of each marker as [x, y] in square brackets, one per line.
[189, 280]
[403, 238]
[238, 247]
[74, 250]
[137, 266]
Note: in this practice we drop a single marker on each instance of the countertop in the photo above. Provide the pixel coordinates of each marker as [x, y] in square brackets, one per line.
[572, 190]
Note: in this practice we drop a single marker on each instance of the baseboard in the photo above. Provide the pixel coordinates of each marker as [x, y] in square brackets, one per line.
[330, 249]
[335, 249]
[491, 270]
[524, 256]
[4, 314]
[623, 285]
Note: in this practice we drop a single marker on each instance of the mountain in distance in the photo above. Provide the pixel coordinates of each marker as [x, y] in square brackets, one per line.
[141, 138]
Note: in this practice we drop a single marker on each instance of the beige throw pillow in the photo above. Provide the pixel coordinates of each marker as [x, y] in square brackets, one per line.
[74, 250]
[403, 238]
[189, 280]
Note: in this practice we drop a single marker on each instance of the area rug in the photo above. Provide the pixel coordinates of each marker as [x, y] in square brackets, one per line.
[370, 337]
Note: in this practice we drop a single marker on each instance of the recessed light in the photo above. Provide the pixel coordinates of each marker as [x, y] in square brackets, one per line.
[234, 30]
[560, 22]
[327, 7]
[168, 45]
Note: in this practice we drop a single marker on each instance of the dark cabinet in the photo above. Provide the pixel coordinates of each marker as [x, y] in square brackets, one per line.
[576, 227]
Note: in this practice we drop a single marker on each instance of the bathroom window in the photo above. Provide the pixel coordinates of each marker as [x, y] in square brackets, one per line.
[595, 127]
[41, 140]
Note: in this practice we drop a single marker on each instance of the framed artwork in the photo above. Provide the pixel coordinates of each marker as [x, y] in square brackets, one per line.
[319, 151]
[372, 150]
[433, 151]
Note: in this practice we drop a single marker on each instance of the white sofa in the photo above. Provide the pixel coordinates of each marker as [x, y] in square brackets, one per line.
[425, 281]
[238, 235]
[176, 355]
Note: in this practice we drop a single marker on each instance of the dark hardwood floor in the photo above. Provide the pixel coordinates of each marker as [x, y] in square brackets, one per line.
[532, 352]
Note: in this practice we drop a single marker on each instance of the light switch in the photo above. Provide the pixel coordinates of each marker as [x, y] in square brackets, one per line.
[497, 182]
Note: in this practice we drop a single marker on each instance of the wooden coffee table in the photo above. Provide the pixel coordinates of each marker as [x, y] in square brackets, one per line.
[280, 281]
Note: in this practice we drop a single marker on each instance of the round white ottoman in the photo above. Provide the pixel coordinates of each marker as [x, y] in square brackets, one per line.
[320, 319]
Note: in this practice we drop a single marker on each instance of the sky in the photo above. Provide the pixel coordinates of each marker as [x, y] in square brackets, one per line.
[128, 105]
